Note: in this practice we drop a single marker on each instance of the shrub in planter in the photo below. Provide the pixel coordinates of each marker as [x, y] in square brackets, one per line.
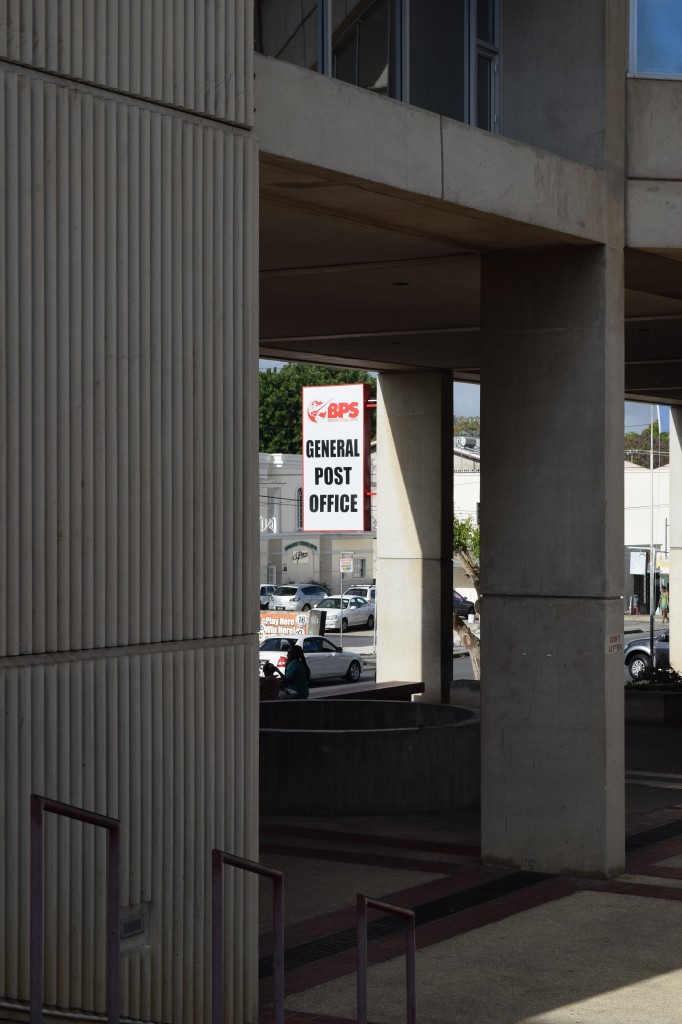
[657, 680]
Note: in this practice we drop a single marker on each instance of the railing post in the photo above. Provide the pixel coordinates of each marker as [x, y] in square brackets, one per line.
[39, 805]
[36, 912]
[362, 903]
[218, 858]
[361, 927]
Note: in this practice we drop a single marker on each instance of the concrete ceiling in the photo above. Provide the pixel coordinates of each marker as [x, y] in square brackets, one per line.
[354, 274]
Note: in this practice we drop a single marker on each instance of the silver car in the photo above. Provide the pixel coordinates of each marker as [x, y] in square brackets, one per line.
[295, 598]
[638, 654]
[325, 659]
[356, 612]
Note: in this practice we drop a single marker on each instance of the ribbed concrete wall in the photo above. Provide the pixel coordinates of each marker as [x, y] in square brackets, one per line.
[195, 54]
[128, 516]
[157, 740]
[128, 405]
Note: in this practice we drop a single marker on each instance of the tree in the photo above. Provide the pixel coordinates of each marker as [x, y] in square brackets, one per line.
[470, 426]
[466, 539]
[280, 401]
[637, 447]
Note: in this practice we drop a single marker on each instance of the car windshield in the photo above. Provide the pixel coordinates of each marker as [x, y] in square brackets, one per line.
[285, 591]
[332, 602]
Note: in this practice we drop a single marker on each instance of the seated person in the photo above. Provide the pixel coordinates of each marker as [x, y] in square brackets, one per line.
[296, 675]
[270, 683]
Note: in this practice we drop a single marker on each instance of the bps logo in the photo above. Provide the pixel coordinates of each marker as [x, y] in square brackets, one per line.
[332, 411]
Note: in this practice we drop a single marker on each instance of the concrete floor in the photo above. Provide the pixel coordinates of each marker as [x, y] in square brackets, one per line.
[566, 951]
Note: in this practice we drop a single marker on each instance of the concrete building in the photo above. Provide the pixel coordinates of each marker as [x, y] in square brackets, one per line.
[287, 554]
[474, 190]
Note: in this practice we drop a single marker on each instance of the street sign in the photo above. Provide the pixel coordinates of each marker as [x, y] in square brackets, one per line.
[346, 565]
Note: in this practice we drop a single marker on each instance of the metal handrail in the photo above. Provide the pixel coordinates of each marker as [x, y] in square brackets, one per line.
[362, 903]
[218, 858]
[39, 804]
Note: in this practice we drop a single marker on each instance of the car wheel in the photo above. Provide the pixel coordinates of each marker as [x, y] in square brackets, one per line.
[344, 624]
[354, 672]
[305, 608]
[370, 622]
[639, 666]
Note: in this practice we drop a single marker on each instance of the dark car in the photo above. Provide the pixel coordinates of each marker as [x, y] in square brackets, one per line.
[462, 605]
[638, 654]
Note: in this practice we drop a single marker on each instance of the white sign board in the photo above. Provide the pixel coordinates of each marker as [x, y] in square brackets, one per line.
[346, 565]
[638, 563]
[336, 458]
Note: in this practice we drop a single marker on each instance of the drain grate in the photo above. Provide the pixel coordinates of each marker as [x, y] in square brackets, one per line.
[653, 835]
[381, 928]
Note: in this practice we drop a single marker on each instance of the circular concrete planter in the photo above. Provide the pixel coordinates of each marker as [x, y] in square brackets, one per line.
[367, 757]
[653, 707]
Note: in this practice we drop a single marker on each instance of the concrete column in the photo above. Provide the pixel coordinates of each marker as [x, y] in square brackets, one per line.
[414, 532]
[675, 538]
[552, 541]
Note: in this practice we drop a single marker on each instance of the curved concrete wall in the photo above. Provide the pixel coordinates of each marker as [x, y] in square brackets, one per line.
[369, 757]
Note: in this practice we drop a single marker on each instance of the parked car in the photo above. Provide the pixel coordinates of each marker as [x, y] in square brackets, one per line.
[266, 592]
[462, 605]
[325, 659]
[369, 592]
[356, 612]
[638, 654]
[294, 598]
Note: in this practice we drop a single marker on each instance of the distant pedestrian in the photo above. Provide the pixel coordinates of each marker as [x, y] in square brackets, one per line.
[663, 604]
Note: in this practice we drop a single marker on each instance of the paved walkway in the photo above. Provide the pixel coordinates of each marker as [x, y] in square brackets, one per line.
[494, 945]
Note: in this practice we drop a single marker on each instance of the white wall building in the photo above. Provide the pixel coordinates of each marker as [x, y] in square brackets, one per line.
[647, 517]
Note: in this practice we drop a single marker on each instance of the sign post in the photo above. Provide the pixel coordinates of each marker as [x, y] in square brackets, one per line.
[345, 566]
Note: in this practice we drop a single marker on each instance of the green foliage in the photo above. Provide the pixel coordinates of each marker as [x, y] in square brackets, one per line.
[637, 447]
[659, 680]
[468, 425]
[280, 401]
[466, 538]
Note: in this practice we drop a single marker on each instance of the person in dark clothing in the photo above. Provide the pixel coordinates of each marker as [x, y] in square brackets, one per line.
[296, 675]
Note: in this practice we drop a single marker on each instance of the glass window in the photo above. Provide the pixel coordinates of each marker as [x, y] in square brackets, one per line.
[484, 75]
[442, 55]
[658, 35]
[287, 29]
[360, 44]
[485, 20]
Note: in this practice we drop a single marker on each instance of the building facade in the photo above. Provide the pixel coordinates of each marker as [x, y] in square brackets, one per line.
[425, 201]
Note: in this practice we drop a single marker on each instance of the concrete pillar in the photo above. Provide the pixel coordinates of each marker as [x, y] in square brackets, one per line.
[552, 540]
[414, 532]
[675, 538]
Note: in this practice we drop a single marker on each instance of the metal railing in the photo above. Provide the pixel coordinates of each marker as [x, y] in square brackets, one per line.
[362, 903]
[218, 858]
[39, 804]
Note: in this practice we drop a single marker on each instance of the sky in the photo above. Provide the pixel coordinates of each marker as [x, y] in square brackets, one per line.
[466, 400]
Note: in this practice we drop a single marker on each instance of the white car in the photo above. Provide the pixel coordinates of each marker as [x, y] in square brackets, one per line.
[366, 590]
[325, 659]
[356, 612]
